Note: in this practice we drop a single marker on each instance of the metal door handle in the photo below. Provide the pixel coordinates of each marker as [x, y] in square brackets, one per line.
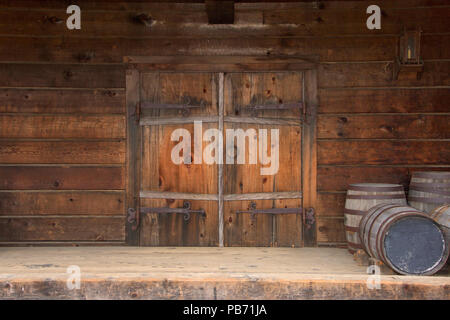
[185, 210]
[253, 210]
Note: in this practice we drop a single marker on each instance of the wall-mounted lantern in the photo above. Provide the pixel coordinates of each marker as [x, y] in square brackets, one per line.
[408, 59]
[410, 47]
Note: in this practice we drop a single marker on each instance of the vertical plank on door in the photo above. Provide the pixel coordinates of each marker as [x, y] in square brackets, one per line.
[133, 143]
[221, 159]
[310, 155]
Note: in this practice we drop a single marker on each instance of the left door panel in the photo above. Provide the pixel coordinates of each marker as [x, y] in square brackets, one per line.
[169, 105]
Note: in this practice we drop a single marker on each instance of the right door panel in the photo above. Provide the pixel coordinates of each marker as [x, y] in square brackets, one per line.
[259, 108]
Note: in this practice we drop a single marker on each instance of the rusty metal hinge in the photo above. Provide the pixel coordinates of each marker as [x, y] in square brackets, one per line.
[309, 217]
[185, 210]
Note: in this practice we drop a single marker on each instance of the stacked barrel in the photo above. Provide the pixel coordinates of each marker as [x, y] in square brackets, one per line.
[360, 198]
[410, 239]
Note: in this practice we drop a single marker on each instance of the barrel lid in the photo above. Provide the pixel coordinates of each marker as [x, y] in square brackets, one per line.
[415, 245]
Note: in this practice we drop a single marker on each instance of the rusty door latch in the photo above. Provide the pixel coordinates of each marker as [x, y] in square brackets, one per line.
[309, 217]
[132, 218]
[254, 211]
[186, 211]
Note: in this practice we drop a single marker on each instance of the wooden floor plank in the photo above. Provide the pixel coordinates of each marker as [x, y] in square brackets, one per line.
[202, 273]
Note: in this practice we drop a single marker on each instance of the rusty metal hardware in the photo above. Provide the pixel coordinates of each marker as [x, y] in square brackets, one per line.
[185, 210]
[254, 211]
[184, 107]
[131, 215]
[310, 219]
[133, 218]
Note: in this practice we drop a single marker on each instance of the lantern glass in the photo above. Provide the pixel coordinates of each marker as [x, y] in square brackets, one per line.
[410, 47]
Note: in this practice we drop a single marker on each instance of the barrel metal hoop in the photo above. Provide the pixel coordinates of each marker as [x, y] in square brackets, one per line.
[432, 175]
[439, 200]
[375, 189]
[439, 211]
[375, 197]
[352, 229]
[431, 190]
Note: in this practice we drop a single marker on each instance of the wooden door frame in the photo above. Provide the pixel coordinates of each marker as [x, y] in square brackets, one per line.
[221, 64]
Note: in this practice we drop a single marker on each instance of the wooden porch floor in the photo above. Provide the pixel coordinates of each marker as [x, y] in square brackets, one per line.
[201, 273]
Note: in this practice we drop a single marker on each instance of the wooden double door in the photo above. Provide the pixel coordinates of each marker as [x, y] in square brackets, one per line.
[216, 158]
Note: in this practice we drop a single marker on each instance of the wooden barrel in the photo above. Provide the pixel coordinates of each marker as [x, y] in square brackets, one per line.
[442, 216]
[360, 198]
[428, 190]
[403, 238]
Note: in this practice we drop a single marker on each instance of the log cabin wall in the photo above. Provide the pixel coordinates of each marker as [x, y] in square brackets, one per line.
[62, 101]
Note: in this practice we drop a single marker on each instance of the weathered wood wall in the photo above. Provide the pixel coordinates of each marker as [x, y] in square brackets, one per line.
[62, 101]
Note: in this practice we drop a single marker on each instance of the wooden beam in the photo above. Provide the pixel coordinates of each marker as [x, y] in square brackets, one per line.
[222, 63]
[220, 12]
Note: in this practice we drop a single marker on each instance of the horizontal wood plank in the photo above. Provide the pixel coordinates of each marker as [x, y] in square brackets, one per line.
[195, 5]
[62, 76]
[54, 100]
[164, 23]
[330, 230]
[62, 229]
[62, 243]
[383, 152]
[348, 21]
[379, 74]
[222, 63]
[332, 178]
[61, 178]
[76, 50]
[386, 100]
[384, 126]
[330, 204]
[62, 126]
[23, 203]
[67, 152]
